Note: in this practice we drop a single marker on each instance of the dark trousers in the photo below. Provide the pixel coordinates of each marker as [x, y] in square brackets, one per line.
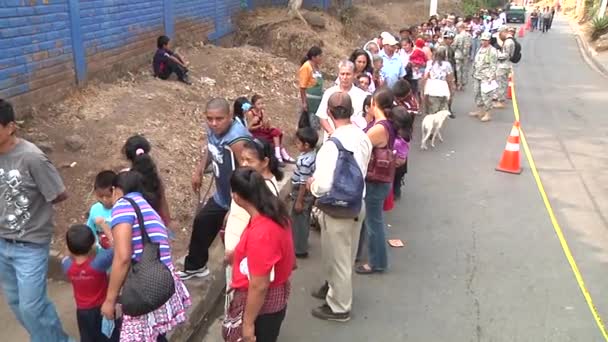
[362, 246]
[172, 67]
[398, 181]
[268, 326]
[207, 224]
[546, 24]
[89, 326]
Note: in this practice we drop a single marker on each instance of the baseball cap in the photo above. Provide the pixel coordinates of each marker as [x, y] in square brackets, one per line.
[486, 36]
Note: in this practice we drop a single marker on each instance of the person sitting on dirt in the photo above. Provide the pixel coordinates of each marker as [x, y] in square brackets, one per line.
[166, 62]
[260, 128]
[100, 214]
[240, 107]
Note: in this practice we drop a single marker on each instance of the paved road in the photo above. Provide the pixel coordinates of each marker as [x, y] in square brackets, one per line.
[482, 261]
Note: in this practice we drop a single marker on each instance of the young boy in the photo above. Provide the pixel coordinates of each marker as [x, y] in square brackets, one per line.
[86, 269]
[166, 62]
[100, 213]
[306, 140]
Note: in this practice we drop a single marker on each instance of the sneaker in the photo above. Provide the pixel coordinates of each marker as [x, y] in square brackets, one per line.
[324, 312]
[188, 274]
[321, 293]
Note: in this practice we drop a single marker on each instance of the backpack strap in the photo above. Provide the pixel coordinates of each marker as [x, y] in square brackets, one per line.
[337, 143]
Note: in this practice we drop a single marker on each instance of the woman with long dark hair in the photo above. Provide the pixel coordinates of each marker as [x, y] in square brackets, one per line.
[310, 80]
[257, 154]
[128, 247]
[379, 178]
[262, 264]
[240, 107]
[363, 65]
[137, 150]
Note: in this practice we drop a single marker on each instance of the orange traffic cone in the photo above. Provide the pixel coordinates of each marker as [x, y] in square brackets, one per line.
[510, 157]
[529, 24]
[521, 32]
[510, 87]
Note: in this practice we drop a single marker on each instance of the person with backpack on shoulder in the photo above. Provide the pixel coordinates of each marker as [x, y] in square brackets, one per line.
[338, 184]
[504, 65]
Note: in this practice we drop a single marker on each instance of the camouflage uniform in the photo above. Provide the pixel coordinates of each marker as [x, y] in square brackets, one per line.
[484, 69]
[504, 67]
[462, 50]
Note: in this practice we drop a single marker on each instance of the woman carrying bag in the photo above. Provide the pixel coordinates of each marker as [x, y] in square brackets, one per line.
[143, 281]
[262, 263]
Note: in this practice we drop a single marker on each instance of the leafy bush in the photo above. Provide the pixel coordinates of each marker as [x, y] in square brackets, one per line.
[599, 27]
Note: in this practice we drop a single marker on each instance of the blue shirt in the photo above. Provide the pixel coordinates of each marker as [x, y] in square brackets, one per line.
[392, 68]
[305, 167]
[224, 161]
[98, 210]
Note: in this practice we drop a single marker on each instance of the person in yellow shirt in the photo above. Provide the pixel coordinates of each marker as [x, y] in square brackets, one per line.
[310, 81]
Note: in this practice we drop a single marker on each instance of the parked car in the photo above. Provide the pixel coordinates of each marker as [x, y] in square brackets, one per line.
[516, 14]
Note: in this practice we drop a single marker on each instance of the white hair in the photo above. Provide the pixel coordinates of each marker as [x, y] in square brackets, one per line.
[346, 64]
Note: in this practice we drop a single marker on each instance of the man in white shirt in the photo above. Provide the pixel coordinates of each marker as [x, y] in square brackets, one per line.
[346, 77]
[340, 236]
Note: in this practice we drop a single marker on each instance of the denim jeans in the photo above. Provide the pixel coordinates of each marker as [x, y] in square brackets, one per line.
[375, 195]
[23, 272]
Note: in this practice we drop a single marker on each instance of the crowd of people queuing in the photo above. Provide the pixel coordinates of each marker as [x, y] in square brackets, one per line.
[353, 140]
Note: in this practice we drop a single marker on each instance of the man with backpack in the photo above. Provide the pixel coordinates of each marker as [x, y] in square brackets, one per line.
[338, 183]
[505, 56]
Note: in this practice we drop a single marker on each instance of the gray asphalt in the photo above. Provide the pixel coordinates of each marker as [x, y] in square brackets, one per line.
[482, 261]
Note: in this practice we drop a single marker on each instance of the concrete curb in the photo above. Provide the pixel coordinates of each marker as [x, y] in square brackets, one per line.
[588, 52]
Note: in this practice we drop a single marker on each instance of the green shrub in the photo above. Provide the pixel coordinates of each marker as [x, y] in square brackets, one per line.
[599, 27]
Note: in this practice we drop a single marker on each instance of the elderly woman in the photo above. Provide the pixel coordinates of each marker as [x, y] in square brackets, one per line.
[262, 263]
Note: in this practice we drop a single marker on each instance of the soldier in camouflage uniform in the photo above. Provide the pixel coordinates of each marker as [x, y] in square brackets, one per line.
[462, 53]
[484, 70]
[504, 65]
[447, 42]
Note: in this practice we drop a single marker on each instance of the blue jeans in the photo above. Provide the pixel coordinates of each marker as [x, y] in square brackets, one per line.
[375, 195]
[23, 272]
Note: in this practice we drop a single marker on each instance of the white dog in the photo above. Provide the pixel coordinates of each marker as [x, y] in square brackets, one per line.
[431, 125]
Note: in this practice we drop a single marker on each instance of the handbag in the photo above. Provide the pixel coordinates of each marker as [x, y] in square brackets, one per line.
[381, 167]
[149, 283]
[304, 120]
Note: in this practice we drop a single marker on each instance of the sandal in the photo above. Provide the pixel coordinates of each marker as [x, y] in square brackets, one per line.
[365, 269]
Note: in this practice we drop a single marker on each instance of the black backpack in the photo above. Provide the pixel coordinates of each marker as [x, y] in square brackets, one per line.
[517, 52]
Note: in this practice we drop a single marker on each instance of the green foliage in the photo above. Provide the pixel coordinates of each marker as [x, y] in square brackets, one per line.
[599, 27]
[470, 7]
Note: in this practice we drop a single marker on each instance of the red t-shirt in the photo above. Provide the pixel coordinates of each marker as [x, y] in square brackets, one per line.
[89, 279]
[263, 245]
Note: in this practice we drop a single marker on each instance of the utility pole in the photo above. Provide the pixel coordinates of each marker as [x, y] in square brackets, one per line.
[433, 8]
[602, 11]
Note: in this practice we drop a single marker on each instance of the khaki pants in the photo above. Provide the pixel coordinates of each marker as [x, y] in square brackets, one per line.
[339, 240]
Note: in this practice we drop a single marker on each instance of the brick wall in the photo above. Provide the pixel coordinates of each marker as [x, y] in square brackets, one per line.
[116, 31]
[36, 55]
[49, 46]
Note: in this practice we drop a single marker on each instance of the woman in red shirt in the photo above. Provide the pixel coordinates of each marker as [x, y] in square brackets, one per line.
[262, 264]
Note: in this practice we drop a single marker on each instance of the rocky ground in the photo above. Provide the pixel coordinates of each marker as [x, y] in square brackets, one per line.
[84, 133]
